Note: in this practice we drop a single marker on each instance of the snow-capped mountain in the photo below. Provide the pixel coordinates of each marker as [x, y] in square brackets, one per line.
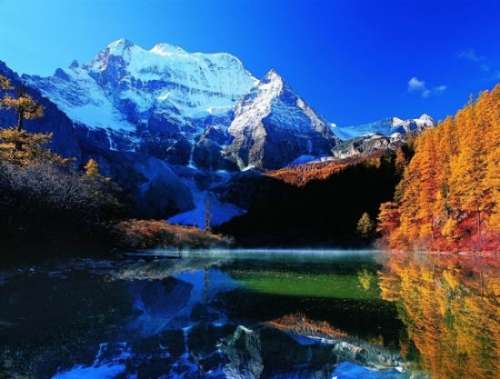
[387, 127]
[196, 109]
[377, 136]
[156, 101]
[126, 80]
[273, 126]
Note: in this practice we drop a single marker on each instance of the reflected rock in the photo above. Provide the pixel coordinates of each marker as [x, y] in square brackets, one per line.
[158, 303]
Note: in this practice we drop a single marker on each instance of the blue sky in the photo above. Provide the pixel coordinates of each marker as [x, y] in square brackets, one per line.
[353, 61]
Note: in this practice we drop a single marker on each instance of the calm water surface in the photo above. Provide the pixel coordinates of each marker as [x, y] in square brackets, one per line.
[252, 314]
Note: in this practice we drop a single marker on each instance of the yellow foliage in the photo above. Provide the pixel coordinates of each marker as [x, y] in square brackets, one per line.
[450, 193]
[365, 279]
[23, 148]
[365, 225]
[4, 83]
[450, 310]
[25, 105]
[92, 168]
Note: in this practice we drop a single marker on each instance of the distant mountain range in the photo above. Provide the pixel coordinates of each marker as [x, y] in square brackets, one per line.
[152, 118]
[391, 127]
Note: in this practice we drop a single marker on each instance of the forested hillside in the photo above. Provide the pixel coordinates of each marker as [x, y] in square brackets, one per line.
[449, 196]
[317, 204]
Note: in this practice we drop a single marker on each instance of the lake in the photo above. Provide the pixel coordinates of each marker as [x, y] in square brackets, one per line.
[252, 314]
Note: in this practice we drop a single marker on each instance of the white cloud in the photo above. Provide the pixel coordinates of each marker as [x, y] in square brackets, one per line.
[484, 67]
[440, 88]
[480, 61]
[470, 55]
[426, 93]
[416, 85]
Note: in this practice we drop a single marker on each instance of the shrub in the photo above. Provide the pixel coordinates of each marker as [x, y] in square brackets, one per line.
[146, 234]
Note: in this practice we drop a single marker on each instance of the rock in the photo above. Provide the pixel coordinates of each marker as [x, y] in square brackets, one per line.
[161, 193]
[243, 350]
[272, 127]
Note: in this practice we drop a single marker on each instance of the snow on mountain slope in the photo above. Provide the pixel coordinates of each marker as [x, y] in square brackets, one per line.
[385, 127]
[167, 76]
[200, 110]
[220, 212]
[273, 126]
[78, 95]
[125, 84]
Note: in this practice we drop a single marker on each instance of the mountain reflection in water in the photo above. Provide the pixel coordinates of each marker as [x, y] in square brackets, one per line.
[252, 314]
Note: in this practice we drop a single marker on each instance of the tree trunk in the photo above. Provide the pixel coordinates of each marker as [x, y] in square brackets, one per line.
[20, 124]
[20, 119]
[20, 113]
[479, 229]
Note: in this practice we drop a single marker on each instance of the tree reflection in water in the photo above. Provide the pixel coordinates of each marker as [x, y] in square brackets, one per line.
[450, 307]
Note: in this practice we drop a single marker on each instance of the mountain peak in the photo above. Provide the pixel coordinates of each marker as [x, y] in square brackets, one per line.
[163, 48]
[266, 122]
[272, 75]
[425, 116]
[74, 64]
[126, 81]
[119, 46]
[271, 85]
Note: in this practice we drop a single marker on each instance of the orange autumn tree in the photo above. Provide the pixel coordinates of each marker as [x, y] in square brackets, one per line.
[17, 145]
[448, 305]
[449, 196]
